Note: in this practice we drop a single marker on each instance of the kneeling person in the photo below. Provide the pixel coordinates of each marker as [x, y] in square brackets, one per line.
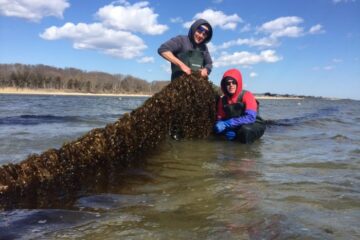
[237, 111]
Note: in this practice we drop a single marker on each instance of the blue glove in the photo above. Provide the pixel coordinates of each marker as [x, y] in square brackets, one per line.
[230, 135]
[219, 127]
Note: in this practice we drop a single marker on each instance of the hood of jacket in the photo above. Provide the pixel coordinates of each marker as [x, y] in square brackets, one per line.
[236, 75]
[195, 25]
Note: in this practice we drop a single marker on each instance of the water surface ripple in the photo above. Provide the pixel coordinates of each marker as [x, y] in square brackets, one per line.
[300, 181]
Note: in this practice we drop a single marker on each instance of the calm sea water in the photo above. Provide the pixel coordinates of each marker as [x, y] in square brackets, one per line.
[300, 181]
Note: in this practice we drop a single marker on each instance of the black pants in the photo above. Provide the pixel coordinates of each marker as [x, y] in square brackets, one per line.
[248, 133]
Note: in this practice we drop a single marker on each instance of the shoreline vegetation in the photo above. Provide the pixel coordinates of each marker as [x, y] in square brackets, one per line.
[43, 78]
[47, 80]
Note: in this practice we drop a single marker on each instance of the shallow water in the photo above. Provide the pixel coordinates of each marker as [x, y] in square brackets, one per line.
[300, 181]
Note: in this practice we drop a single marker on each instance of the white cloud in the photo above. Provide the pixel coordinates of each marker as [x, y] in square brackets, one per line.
[95, 36]
[281, 23]
[328, 68]
[246, 58]
[283, 27]
[246, 28]
[316, 68]
[253, 74]
[343, 1]
[262, 43]
[176, 20]
[146, 60]
[217, 19]
[337, 60]
[212, 48]
[135, 18]
[114, 35]
[33, 10]
[318, 28]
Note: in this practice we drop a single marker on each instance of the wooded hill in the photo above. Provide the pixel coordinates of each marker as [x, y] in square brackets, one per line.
[44, 77]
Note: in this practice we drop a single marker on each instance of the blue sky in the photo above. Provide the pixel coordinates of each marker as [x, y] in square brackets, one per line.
[308, 47]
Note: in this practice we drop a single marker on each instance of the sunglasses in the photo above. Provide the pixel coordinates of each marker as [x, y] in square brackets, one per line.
[231, 82]
[202, 30]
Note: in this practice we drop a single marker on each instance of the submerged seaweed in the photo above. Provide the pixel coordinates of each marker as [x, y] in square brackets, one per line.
[97, 159]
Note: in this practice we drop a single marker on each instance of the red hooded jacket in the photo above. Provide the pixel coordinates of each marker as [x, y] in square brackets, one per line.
[248, 98]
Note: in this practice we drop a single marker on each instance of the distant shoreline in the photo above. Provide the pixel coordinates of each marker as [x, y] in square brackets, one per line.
[27, 91]
[278, 98]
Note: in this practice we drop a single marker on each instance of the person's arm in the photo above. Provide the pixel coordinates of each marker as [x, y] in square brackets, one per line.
[167, 50]
[208, 61]
[248, 118]
[249, 115]
[168, 55]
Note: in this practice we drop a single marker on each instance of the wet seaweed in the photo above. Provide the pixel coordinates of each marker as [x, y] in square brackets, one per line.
[97, 159]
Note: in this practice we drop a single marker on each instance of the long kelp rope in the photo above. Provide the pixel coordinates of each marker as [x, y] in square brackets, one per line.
[96, 158]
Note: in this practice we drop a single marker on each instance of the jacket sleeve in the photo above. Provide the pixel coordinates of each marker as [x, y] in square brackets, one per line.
[248, 118]
[173, 45]
[208, 60]
[250, 113]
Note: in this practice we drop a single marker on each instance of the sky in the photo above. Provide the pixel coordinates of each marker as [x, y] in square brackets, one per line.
[300, 47]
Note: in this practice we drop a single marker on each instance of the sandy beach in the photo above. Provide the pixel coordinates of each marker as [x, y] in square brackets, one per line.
[26, 91]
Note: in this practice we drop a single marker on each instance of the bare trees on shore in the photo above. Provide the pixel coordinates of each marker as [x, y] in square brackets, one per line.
[71, 79]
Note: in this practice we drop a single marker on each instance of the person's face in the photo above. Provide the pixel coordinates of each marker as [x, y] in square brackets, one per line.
[201, 34]
[231, 86]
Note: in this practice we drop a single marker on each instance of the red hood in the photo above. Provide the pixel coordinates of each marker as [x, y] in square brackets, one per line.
[236, 75]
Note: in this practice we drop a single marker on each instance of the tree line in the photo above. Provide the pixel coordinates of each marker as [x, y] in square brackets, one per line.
[75, 80]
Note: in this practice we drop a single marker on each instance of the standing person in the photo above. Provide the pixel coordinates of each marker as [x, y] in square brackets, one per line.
[238, 111]
[189, 53]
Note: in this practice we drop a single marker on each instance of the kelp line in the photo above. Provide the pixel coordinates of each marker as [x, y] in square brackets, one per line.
[95, 160]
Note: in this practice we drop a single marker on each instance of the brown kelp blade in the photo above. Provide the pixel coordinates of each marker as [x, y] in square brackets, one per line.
[96, 159]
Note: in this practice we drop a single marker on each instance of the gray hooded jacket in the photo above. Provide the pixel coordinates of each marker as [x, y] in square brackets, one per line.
[183, 43]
